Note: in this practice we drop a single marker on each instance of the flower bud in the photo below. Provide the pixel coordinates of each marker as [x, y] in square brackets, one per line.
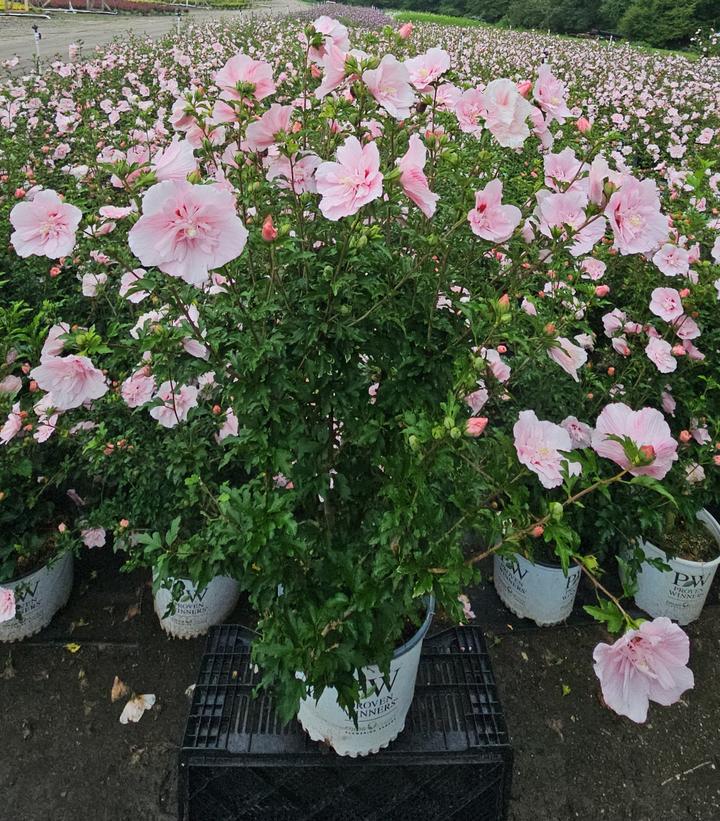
[476, 425]
[685, 436]
[537, 531]
[583, 125]
[648, 453]
[269, 231]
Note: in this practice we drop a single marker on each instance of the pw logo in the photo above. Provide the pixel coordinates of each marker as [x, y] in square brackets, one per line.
[377, 685]
[195, 595]
[25, 591]
[515, 568]
[683, 580]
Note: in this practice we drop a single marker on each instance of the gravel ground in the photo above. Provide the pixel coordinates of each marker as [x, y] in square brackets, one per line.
[94, 30]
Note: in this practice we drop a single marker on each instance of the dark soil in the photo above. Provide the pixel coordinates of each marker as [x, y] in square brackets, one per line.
[65, 757]
[696, 544]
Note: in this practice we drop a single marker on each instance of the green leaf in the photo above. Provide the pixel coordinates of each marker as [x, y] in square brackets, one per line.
[654, 485]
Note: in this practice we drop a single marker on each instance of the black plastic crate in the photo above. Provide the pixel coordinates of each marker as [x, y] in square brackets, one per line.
[452, 760]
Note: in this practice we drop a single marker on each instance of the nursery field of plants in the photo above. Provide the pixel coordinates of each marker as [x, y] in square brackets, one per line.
[330, 324]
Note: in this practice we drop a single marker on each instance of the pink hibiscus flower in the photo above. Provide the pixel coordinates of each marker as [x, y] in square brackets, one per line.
[551, 95]
[580, 432]
[351, 182]
[649, 431]
[659, 352]
[490, 219]
[469, 109]
[229, 427]
[264, 132]
[389, 84]
[506, 113]
[333, 64]
[649, 664]
[242, 70]
[137, 389]
[187, 230]
[666, 303]
[72, 380]
[13, 425]
[7, 604]
[498, 368]
[54, 343]
[634, 213]
[569, 356]
[44, 227]
[412, 177]
[176, 404]
[93, 536]
[427, 68]
[128, 285]
[175, 161]
[298, 174]
[672, 260]
[334, 34]
[538, 445]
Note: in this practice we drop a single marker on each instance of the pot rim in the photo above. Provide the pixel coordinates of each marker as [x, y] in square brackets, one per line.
[558, 567]
[711, 525]
[421, 631]
[53, 560]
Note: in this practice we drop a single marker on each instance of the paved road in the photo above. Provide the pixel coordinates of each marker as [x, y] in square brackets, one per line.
[16, 36]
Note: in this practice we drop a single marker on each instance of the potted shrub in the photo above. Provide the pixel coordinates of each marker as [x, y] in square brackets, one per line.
[38, 506]
[355, 249]
[157, 494]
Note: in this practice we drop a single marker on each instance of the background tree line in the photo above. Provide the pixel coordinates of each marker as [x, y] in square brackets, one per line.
[659, 23]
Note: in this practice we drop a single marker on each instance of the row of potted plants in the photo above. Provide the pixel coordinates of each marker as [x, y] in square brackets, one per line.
[368, 286]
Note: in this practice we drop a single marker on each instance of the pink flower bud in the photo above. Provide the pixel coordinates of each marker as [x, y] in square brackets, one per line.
[685, 436]
[678, 350]
[269, 231]
[19, 193]
[583, 125]
[684, 293]
[648, 451]
[602, 290]
[537, 531]
[405, 30]
[476, 425]
[525, 87]
[501, 349]
[716, 459]
[62, 527]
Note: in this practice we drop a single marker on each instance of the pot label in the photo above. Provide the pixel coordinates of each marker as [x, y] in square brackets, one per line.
[198, 610]
[381, 715]
[544, 594]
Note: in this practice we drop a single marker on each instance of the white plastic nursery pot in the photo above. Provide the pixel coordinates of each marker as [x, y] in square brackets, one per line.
[537, 591]
[197, 610]
[678, 593]
[380, 716]
[38, 597]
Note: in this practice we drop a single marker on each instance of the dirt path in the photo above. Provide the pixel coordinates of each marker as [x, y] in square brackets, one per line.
[16, 36]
